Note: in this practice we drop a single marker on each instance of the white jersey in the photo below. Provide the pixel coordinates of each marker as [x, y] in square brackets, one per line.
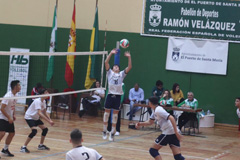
[161, 116]
[32, 112]
[10, 105]
[115, 81]
[238, 112]
[83, 153]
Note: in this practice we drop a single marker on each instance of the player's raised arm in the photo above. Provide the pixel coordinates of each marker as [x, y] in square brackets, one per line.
[129, 67]
[107, 66]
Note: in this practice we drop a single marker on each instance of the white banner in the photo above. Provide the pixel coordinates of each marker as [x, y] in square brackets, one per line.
[200, 56]
[18, 70]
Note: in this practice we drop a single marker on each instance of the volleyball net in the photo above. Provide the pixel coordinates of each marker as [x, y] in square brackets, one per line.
[32, 68]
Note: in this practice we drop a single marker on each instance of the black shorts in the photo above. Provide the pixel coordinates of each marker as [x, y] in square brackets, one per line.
[6, 126]
[113, 102]
[163, 140]
[34, 123]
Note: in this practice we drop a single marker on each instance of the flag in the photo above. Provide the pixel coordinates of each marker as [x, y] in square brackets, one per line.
[69, 70]
[53, 46]
[91, 75]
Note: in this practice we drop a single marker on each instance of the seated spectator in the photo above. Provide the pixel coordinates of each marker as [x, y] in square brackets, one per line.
[166, 101]
[158, 89]
[237, 104]
[136, 95]
[177, 94]
[91, 104]
[190, 102]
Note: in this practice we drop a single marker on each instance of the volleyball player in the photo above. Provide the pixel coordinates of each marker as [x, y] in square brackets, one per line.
[32, 116]
[115, 80]
[7, 116]
[79, 151]
[170, 133]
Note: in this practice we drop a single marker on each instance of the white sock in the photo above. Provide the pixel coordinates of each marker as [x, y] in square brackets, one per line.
[5, 147]
[40, 144]
[24, 146]
[104, 128]
[113, 130]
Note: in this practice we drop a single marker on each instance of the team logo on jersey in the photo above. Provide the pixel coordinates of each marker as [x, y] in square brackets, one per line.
[175, 54]
[115, 78]
[155, 15]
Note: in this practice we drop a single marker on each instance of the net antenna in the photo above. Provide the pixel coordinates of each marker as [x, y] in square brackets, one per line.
[36, 57]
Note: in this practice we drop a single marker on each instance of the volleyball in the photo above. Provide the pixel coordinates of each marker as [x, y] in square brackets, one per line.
[124, 43]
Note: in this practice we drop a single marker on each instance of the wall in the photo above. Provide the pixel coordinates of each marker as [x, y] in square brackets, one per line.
[31, 29]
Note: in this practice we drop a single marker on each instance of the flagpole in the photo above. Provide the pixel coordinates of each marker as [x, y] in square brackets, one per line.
[96, 3]
[105, 43]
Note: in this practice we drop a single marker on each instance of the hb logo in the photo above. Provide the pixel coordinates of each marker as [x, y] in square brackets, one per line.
[19, 60]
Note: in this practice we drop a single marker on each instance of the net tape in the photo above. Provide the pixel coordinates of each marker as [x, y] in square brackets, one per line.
[52, 94]
[54, 53]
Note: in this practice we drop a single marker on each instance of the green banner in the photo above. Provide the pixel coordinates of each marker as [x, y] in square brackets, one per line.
[210, 19]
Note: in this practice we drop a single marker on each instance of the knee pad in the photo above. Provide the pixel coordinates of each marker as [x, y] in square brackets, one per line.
[114, 118]
[178, 157]
[33, 133]
[154, 153]
[44, 131]
[106, 116]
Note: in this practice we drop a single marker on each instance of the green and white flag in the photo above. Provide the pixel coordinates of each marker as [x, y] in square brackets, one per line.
[53, 46]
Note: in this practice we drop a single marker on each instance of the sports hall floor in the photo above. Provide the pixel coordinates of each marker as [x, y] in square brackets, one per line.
[220, 142]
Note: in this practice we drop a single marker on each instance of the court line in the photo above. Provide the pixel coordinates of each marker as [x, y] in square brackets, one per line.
[220, 155]
[47, 138]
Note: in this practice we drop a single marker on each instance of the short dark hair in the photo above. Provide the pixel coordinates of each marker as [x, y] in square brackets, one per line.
[97, 81]
[41, 90]
[238, 98]
[76, 136]
[153, 100]
[14, 83]
[39, 85]
[116, 65]
[159, 83]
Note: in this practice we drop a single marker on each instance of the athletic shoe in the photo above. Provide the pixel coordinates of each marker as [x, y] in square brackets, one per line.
[43, 147]
[7, 153]
[81, 113]
[24, 150]
[104, 135]
[117, 134]
[111, 137]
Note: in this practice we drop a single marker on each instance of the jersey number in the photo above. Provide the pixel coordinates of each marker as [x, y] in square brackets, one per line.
[116, 81]
[85, 153]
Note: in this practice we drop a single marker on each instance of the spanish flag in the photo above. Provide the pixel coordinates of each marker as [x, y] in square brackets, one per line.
[69, 70]
[91, 75]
